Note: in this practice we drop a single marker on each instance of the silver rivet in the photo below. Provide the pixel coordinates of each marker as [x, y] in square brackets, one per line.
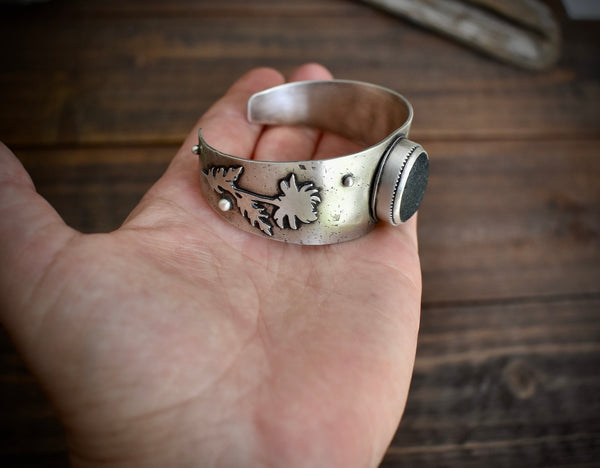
[224, 204]
[348, 181]
[195, 149]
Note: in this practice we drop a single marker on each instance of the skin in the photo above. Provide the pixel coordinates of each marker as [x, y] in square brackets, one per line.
[178, 340]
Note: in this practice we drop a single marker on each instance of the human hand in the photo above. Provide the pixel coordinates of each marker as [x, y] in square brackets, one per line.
[178, 340]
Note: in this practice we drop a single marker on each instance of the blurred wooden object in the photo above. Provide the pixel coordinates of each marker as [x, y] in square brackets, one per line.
[96, 96]
[520, 32]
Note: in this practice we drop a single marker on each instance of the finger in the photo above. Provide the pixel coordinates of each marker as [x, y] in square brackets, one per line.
[31, 235]
[225, 127]
[292, 143]
[332, 145]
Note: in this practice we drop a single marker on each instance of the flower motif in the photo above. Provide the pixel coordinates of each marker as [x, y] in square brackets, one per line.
[293, 205]
[296, 203]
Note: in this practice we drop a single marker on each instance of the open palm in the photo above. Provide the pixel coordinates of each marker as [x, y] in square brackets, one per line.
[178, 340]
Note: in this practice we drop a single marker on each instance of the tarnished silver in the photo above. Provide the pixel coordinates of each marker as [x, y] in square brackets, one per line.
[322, 201]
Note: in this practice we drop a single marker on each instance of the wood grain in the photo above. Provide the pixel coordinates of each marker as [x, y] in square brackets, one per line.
[92, 76]
[513, 219]
[504, 384]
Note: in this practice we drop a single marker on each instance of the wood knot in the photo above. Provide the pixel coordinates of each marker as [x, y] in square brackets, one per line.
[522, 379]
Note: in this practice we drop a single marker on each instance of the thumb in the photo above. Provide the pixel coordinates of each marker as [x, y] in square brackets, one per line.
[31, 236]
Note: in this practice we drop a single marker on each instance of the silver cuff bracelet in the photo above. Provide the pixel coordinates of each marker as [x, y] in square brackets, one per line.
[330, 200]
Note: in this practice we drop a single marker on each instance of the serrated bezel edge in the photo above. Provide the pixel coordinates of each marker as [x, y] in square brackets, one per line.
[397, 182]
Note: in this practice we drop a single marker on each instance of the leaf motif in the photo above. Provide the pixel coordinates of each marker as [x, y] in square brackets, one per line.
[254, 212]
[222, 179]
[296, 203]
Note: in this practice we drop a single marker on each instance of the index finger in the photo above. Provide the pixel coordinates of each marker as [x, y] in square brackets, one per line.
[224, 126]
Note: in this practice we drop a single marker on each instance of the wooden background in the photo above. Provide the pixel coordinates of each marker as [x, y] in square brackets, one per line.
[96, 95]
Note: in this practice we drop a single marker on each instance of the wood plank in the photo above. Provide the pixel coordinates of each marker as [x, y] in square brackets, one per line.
[94, 189]
[189, 8]
[500, 219]
[85, 74]
[507, 384]
[511, 219]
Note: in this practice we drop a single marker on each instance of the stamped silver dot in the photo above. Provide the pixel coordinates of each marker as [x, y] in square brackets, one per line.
[348, 180]
[196, 149]
[225, 204]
